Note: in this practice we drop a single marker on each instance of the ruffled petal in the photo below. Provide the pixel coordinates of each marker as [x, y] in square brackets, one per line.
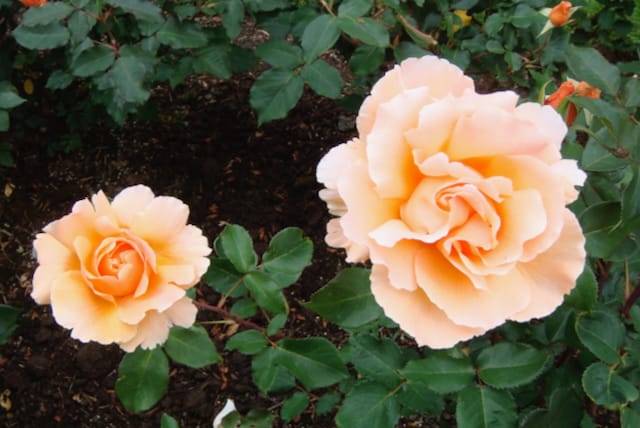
[130, 202]
[159, 296]
[54, 259]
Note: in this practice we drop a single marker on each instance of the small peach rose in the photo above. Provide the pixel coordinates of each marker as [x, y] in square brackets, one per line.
[566, 89]
[117, 272]
[559, 14]
[459, 202]
[33, 3]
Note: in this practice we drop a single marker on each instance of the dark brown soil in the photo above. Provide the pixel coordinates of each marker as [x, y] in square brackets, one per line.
[207, 150]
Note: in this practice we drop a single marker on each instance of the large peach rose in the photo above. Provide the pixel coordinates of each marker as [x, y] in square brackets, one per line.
[117, 272]
[458, 199]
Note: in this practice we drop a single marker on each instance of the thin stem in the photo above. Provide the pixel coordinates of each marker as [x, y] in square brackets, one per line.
[228, 315]
[635, 295]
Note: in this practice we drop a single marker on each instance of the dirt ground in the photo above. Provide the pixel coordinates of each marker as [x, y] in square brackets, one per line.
[205, 149]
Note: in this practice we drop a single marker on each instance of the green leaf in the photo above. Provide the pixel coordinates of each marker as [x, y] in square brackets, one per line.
[606, 388]
[4, 120]
[319, 36]
[181, 35]
[631, 196]
[168, 422]
[247, 342]
[287, 255]
[630, 418]
[244, 308]
[266, 292]
[354, 8]
[126, 80]
[238, 247]
[420, 398]
[143, 377]
[59, 79]
[280, 54]
[257, 419]
[80, 24]
[294, 405]
[46, 14]
[440, 372]
[366, 30]
[368, 405]
[346, 300]
[602, 333]
[92, 61]
[268, 375]
[327, 402]
[585, 293]
[366, 59]
[142, 9]
[276, 324]
[213, 60]
[565, 409]
[275, 93]
[631, 93]
[8, 321]
[9, 97]
[222, 276]
[191, 346]
[586, 63]
[484, 407]
[42, 36]
[232, 17]
[406, 50]
[508, 365]
[314, 361]
[324, 79]
[377, 359]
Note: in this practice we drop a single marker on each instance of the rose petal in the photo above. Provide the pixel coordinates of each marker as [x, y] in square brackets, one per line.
[400, 263]
[54, 259]
[182, 313]
[417, 315]
[130, 202]
[189, 247]
[356, 253]
[163, 218]
[554, 272]
[89, 316]
[152, 331]
[159, 296]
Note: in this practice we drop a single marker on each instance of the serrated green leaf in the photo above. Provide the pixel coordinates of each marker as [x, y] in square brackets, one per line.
[276, 324]
[324, 79]
[232, 17]
[354, 8]
[181, 35]
[377, 359]
[420, 398]
[585, 293]
[268, 375]
[606, 388]
[586, 63]
[126, 80]
[143, 377]
[367, 30]
[279, 54]
[9, 97]
[222, 276]
[168, 422]
[213, 60]
[319, 36]
[8, 321]
[314, 361]
[238, 247]
[144, 10]
[287, 255]
[440, 372]
[346, 300]
[294, 405]
[266, 292]
[92, 61]
[191, 346]
[327, 402]
[602, 333]
[46, 14]
[244, 308]
[247, 342]
[508, 365]
[80, 24]
[42, 37]
[275, 93]
[368, 405]
[366, 59]
[484, 407]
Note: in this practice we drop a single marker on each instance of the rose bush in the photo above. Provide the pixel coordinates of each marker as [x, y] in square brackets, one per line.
[458, 200]
[118, 272]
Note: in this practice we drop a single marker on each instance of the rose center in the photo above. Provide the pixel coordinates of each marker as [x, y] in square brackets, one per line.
[119, 267]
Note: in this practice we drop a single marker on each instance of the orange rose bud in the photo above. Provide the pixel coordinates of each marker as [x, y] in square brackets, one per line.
[33, 3]
[560, 13]
[560, 94]
[586, 90]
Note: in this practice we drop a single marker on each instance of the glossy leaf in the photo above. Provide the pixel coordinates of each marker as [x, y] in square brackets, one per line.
[144, 10]
[276, 323]
[602, 333]
[238, 247]
[367, 30]
[275, 93]
[484, 407]
[324, 79]
[168, 422]
[368, 405]
[222, 276]
[294, 405]
[420, 398]
[268, 375]
[377, 359]
[42, 37]
[346, 300]
[508, 365]
[232, 17]
[319, 36]
[213, 60]
[279, 54]
[143, 377]
[354, 8]
[440, 372]
[586, 63]
[327, 402]
[46, 14]
[366, 59]
[266, 292]
[191, 346]
[9, 97]
[247, 342]
[287, 255]
[314, 361]
[606, 388]
[181, 35]
[92, 61]
[585, 293]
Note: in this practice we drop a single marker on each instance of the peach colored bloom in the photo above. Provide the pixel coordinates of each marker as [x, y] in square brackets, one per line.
[560, 13]
[33, 3]
[566, 89]
[117, 272]
[459, 201]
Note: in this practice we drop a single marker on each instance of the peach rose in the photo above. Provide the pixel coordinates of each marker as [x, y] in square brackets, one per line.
[459, 201]
[559, 14]
[117, 272]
